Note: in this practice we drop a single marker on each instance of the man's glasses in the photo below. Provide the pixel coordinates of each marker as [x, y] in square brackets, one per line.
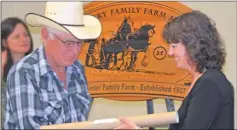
[69, 44]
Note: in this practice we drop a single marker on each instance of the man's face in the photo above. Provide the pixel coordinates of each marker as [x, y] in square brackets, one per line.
[63, 48]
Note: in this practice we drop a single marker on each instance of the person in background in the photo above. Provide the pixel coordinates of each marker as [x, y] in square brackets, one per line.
[49, 85]
[16, 42]
[196, 46]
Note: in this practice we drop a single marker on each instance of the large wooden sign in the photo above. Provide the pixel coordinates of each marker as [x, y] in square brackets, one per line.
[129, 60]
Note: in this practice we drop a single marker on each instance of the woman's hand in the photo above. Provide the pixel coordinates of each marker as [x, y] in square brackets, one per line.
[4, 57]
[3, 60]
[126, 124]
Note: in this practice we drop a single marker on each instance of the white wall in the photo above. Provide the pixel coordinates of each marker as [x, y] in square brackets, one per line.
[223, 13]
[20, 9]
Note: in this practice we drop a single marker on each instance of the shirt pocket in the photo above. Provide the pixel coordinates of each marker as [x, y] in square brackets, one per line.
[54, 112]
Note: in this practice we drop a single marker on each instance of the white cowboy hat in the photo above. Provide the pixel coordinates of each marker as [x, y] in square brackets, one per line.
[67, 17]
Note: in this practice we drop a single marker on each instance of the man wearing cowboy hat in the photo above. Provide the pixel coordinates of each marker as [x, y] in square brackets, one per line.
[49, 86]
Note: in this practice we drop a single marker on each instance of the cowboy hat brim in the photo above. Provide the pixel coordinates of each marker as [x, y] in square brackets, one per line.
[90, 30]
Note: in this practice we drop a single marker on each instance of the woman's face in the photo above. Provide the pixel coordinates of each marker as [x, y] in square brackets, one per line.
[19, 40]
[179, 52]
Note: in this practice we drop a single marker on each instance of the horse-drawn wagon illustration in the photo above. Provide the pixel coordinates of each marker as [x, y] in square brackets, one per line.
[122, 47]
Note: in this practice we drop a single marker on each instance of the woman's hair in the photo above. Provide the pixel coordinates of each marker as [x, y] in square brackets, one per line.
[8, 25]
[199, 35]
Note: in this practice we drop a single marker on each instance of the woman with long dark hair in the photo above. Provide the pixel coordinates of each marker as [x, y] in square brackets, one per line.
[16, 42]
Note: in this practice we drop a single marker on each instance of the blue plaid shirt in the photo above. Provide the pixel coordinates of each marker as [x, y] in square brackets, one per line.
[35, 96]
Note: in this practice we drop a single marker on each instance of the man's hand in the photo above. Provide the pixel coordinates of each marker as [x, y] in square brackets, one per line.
[126, 124]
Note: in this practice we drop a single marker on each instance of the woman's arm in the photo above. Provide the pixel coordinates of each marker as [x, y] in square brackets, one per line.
[3, 61]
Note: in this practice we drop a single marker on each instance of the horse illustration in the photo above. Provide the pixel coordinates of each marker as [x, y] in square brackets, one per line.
[136, 42]
[139, 42]
[125, 43]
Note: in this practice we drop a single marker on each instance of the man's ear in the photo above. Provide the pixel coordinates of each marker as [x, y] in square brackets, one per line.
[44, 34]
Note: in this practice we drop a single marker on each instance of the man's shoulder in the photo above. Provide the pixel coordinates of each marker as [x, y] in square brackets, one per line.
[27, 62]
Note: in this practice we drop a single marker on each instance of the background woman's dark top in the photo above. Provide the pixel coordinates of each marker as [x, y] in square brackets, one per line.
[3, 102]
[209, 105]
